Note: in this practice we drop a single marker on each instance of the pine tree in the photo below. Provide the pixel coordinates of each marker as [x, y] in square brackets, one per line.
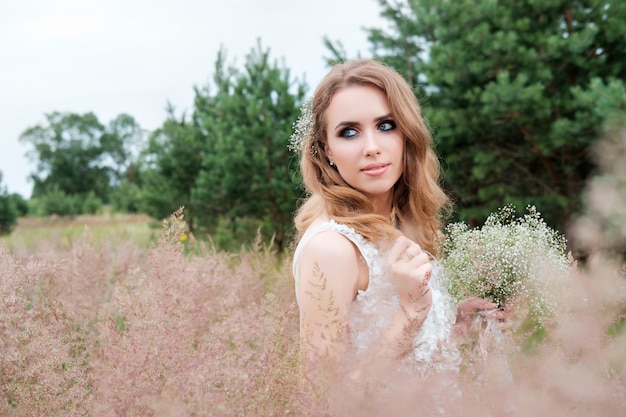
[8, 210]
[517, 92]
[170, 166]
[247, 169]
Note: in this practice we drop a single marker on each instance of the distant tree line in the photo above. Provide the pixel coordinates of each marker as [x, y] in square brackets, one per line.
[516, 93]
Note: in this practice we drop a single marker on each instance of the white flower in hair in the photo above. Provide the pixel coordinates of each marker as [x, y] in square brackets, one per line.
[302, 127]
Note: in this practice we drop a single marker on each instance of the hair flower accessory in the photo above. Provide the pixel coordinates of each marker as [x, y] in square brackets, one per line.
[302, 128]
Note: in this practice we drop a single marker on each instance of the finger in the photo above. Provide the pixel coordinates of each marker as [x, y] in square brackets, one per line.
[478, 304]
[428, 276]
[408, 253]
[499, 315]
[475, 304]
[414, 250]
[411, 251]
[399, 246]
[424, 272]
[416, 262]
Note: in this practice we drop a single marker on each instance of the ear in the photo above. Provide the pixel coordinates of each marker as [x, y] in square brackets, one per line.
[328, 152]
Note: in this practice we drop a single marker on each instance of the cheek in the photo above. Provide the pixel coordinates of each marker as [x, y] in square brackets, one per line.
[398, 148]
[342, 152]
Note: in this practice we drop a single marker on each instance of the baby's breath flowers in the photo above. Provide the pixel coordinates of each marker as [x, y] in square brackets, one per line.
[510, 258]
[302, 128]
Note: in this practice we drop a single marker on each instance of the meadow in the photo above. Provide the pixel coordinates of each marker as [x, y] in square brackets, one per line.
[108, 316]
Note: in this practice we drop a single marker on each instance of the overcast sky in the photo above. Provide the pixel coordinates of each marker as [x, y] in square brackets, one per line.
[133, 56]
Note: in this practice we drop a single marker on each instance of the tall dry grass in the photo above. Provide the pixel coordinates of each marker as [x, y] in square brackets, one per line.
[103, 330]
[119, 331]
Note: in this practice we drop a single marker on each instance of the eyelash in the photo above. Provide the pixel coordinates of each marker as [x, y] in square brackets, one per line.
[392, 125]
[344, 132]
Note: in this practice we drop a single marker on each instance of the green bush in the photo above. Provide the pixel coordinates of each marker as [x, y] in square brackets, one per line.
[56, 202]
[8, 210]
[21, 205]
[125, 198]
[90, 204]
[233, 234]
[8, 213]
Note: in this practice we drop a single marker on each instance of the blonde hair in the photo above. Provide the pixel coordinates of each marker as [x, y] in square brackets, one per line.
[418, 199]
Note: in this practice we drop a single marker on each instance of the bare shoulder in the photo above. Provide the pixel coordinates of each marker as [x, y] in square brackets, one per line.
[330, 245]
[330, 260]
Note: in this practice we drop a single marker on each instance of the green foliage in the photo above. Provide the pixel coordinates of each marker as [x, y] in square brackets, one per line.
[171, 164]
[517, 94]
[20, 204]
[233, 234]
[122, 143]
[8, 210]
[57, 202]
[228, 164]
[126, 198]
[77, 155]
[91, 204]
[247, 168]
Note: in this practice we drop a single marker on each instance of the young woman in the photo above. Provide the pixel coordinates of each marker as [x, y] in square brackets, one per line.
[364, 270]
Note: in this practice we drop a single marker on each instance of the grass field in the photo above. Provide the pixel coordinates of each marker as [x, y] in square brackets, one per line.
[32, 232]
[109, 316]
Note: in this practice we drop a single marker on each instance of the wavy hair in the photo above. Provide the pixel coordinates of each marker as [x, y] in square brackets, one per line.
[418, 199]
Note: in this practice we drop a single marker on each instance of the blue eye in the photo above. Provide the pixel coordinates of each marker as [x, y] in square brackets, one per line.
[348, 133]
[387, 125]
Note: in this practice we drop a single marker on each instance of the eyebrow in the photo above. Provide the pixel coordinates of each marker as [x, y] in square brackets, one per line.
[349, 123]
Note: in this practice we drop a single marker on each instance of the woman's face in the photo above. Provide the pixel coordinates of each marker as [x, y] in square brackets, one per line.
[364, 142]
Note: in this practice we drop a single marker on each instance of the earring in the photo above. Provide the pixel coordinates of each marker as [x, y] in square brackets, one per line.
[332, 164]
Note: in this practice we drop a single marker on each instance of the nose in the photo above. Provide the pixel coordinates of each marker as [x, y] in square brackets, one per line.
[371, 146]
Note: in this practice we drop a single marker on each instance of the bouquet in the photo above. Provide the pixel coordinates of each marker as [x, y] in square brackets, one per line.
[510, 259]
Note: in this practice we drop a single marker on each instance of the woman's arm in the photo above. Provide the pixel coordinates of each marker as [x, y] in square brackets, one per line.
[329, 268]
[331, 271]
[409, 270]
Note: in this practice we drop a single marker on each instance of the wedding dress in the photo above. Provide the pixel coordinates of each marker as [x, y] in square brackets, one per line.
[374, 308]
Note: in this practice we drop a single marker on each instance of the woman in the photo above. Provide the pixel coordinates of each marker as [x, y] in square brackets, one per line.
[363, 266]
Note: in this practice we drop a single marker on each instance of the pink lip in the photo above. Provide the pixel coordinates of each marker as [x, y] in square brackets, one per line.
[375, 169]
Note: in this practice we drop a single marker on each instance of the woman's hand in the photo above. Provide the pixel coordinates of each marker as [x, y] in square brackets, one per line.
[468, 309]
[409, 271]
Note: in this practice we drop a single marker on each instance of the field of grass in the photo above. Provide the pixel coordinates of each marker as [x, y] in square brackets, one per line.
[108, 316]
[95, 322]
[32, 232]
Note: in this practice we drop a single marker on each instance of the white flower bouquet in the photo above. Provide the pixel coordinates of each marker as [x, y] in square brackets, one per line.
[509, 259]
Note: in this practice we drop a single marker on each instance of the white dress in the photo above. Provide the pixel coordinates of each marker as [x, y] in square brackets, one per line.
[374, 308]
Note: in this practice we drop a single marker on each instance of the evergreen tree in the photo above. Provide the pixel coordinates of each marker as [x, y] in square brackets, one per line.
[247, 168]
[8, 210]
[517, 93]
[20, 204]
[171, 164]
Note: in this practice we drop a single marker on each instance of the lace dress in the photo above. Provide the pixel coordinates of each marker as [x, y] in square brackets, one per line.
[374, 308]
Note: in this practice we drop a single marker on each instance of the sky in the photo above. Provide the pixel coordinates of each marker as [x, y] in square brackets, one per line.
[135, 56]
